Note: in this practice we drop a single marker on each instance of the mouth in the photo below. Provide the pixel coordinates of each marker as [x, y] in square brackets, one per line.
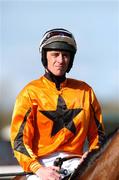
[60, 69]
[59, 66]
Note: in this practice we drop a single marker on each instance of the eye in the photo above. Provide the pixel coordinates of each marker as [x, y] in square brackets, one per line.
[66, 54]
[55, 54]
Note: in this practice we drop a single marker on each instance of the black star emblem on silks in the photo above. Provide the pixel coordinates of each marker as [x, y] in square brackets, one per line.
[62, 117]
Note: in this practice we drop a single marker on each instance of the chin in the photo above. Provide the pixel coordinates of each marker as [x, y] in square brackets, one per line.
[59, 74]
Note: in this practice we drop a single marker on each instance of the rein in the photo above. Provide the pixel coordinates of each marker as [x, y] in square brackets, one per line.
[15, 174]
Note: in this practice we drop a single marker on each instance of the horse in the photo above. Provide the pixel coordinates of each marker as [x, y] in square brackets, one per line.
[99, 164]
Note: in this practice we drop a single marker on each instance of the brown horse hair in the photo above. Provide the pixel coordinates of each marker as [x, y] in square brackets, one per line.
[92, 156]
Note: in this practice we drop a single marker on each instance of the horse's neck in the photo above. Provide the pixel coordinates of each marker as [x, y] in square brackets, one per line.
[107, 164]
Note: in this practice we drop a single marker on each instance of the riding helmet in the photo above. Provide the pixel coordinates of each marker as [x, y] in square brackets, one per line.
[58, 39]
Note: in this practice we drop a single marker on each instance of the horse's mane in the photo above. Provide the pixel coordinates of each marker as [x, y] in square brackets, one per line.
[93, 155]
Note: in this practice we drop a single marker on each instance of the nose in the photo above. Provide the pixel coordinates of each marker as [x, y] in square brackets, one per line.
[60, 58]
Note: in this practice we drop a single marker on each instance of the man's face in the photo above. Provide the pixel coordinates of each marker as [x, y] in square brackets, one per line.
[57, 62]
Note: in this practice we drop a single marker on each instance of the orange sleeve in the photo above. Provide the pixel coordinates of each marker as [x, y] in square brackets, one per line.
[22, 133]
[96, 135]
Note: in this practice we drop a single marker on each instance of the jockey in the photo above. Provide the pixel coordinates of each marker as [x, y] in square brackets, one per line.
[54, 115]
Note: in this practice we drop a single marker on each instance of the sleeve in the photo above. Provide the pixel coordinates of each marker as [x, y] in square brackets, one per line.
[22, 132]
[96, 133]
